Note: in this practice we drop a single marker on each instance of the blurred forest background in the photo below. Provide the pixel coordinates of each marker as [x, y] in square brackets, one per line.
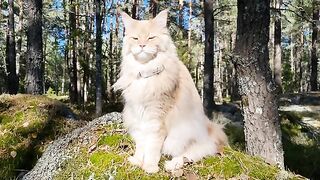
[70, 32]
[70, 50]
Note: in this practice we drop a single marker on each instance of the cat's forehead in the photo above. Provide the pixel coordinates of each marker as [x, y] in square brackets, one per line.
[142, 27]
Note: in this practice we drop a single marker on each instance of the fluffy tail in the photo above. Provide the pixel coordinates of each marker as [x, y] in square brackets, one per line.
[217, 134]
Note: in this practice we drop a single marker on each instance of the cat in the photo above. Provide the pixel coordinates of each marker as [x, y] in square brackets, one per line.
[163, 111]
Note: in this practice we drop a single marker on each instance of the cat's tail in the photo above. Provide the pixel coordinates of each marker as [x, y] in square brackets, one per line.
[218, 136]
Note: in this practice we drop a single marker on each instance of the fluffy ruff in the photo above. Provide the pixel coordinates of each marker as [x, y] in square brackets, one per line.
[163, 111]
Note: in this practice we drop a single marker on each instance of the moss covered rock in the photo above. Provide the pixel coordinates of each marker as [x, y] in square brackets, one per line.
[27, 124]
[100, 151]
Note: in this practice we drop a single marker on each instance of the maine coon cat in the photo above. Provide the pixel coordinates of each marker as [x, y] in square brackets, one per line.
[163, 111]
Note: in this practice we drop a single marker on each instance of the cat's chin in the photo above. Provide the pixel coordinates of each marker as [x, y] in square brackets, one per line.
[144, 57]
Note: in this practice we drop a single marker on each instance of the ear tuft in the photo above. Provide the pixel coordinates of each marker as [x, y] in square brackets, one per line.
[126, 19]
[161, 18]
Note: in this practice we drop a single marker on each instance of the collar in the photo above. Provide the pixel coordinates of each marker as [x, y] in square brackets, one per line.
[152, 72]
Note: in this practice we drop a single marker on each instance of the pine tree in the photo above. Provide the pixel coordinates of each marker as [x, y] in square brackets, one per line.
[208, 101]
[34, 64]
[12, 78]
[98, 58]
[257, 88]
[314, 44]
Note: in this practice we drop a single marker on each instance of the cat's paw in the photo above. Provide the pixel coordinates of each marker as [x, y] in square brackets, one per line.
[135, 161]
[150, 168]
[174, 164]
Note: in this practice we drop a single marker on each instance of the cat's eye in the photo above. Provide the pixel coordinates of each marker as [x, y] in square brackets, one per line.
[135, 38]
[152, 37]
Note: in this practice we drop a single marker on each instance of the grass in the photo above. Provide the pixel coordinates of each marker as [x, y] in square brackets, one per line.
[27, 124]
[109, 160]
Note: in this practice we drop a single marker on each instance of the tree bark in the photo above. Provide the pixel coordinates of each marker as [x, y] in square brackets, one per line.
[153, 8]
[12, 78]
[66, 47]
[277, 45]
[19, 40]
[300, 60]
[257, 88]
[189, 65]
[314, 58]
[135, 9]
[111, 67]
[79, 51]
[34, 65]
[86, 57]
[292, 67]
[98, 58]
[73, 90]
[208, 101]
[181, 14]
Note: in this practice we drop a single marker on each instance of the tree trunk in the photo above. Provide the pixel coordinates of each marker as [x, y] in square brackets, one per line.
[111, 67]
[66, 48]
[135, 9]
[78, 52]
[12, 78]
[189, 38]
[217, 76]
[34, 65]
[314, 58]
[300, 63]
[153, 8]
[277, 45]
[86, 44]
[292, 67]
[98, 58]
[208, 101]
[73, 91]
[19, 40]
[257, 89]
[181, 14]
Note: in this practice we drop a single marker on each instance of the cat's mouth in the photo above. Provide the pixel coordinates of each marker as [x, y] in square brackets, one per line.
[144, 56]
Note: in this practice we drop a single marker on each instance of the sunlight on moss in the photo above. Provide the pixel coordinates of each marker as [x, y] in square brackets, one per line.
[23, 120]
[112, 161]
[113, 140]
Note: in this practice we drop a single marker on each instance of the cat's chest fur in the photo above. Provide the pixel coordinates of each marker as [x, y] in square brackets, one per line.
[150, 80]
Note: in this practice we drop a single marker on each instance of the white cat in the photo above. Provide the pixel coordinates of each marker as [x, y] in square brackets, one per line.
[163, 111]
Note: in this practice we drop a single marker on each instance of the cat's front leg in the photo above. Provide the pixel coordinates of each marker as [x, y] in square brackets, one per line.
[137, 158]
[152, 153]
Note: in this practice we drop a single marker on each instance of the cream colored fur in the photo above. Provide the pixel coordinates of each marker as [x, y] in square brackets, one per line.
[163, 111]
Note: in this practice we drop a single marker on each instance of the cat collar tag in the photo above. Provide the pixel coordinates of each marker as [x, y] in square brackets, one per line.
[150, 73]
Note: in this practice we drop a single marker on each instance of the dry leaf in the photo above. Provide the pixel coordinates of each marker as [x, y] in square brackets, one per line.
[191, 176]
[34, 135]
[26, 124]
[104, 148]
[13, 154]
[92, 148]
[177, 173]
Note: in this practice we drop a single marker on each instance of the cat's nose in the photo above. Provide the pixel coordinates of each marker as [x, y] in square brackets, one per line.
[142, 45]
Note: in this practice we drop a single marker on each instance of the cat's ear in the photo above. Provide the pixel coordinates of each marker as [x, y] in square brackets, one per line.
[161, 18]
[126, 19]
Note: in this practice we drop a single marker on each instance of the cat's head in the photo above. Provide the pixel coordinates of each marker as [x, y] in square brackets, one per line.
[145, 38]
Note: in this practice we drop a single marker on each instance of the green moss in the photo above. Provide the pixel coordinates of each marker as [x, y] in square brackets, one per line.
[113, 140]
[103, 159]
[112, 161]
[4, 119]
[24, 119]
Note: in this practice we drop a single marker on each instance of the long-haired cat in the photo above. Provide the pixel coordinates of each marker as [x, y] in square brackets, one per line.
[163, 111]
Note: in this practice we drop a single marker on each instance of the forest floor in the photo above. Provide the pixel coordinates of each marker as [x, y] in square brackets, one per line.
[98, 150]
[28, 124]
